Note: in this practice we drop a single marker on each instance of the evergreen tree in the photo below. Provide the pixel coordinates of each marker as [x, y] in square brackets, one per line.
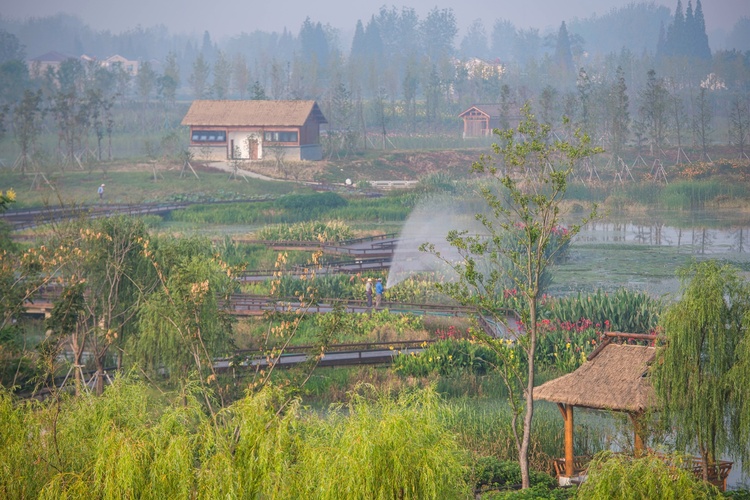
[563, 53]
[257, 92]
[676, 33]
[701, 48]
[686, 36]
[359, 43]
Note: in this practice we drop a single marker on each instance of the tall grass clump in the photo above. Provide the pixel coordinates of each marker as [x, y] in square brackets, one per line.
[692, 195]
[324, 232]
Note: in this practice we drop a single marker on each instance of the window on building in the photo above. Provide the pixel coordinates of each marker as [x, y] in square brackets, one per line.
[209, 136]
[280, 137]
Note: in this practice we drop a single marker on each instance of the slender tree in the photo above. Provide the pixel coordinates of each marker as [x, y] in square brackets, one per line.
[702, 118]
[198, 79]
[739, 123]
[653, 110]
[528, 208]
[222, 76]
[28, 117]
[619, 113]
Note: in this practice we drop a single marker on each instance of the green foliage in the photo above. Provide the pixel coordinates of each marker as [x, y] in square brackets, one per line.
[695, 195]
[701, 376]
[386, 448]
[614, 477]
[311, 202]
[324, 232]
[496, 474]
[128, 443]
[566, 346]
[537, 492]
[184, 322]
[447, 357]
[622, 311]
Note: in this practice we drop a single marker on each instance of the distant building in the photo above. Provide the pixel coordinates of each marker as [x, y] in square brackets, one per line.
[117, 61]
[254, 130]
[38, 66]
[480, 119]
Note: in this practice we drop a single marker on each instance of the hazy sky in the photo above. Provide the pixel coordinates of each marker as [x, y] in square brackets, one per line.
[235, 16]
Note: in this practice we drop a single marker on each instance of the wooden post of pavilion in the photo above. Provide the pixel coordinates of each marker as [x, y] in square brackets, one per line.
[567, 415]
[638, 446]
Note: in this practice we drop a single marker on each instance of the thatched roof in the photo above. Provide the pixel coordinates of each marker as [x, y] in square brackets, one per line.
[615, 379]
[252, 113]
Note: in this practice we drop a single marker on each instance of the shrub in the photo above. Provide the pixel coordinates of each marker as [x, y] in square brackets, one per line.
[497, 474]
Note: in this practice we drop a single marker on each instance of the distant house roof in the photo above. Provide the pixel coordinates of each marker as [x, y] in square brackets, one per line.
[252, 113]
[491, 110]
[615, 379]
[51, 57]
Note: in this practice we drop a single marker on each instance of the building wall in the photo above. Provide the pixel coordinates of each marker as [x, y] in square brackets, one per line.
[239, 141]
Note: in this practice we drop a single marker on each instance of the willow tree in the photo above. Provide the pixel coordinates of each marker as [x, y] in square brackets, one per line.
[185, 323]
[701, 376]
[522, 235]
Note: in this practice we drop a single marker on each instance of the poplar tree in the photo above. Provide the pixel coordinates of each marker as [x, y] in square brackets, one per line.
[739, 123]
[619, 112]
[654, 109]
[198, 79]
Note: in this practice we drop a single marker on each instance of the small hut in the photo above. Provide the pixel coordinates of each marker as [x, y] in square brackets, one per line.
[615, 378]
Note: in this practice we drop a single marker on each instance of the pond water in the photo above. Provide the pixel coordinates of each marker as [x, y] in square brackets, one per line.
[697, 239]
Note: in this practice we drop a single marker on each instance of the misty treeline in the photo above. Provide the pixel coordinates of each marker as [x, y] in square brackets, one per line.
[639, 75]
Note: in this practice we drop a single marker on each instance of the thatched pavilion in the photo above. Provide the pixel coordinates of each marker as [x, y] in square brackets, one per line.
[615, 378]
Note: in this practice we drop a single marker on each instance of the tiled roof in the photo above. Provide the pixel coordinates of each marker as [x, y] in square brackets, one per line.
[52, 57]
[252, 113]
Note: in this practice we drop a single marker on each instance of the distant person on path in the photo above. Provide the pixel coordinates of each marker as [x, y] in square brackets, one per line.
[378, 293]
[368, 292]
[101, 192]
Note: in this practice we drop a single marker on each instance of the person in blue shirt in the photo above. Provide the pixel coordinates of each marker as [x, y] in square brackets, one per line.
[378, 293]
[101, 191]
